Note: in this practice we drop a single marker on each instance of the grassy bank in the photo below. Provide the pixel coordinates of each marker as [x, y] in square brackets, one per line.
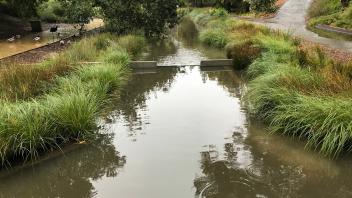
[57, 101]
[330, 12]
[296, 88]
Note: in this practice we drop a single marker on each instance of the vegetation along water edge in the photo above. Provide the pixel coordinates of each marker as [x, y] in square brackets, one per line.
[297, 89]
[48, 104]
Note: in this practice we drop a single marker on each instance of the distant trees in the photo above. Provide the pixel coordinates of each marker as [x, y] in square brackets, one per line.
[234, 5]
[79, 11]
[237, 5]
[262, 5]
[22, 8]
[153, 17]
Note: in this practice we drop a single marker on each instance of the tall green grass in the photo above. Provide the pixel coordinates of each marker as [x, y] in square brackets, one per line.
[215, 38]
[297, 89]
[329, 12]
[69, 109]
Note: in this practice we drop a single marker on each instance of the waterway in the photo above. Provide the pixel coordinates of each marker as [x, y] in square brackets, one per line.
[183, 132]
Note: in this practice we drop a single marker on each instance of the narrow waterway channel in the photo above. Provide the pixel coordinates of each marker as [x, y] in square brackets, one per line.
[178, 132]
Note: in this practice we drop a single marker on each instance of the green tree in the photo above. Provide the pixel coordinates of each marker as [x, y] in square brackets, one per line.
[151, 16]
[234, 5]
[79, 11]
[23, 8]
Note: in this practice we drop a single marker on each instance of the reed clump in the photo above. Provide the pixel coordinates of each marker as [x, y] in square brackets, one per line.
[59, 100]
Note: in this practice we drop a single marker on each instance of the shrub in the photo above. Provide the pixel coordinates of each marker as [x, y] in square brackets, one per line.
[214, 37]
[234, 5]
[243, 53]
[323, 7]
[219, 12]
[102, 42]
[134, 44]
[51, 11]
[262, 5]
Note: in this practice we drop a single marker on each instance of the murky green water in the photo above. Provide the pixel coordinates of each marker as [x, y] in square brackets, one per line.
[179, 132]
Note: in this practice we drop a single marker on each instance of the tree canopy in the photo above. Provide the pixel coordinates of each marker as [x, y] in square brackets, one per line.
[22, 8]
[151, 16]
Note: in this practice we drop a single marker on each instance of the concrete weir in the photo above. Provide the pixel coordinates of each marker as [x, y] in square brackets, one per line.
[216, 63]
[203, 63]
[143, 64]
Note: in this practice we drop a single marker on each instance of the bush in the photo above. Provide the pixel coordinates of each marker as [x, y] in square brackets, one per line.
[153, 17]
[323, 7]
[219, 12]
[234, 5]
[133, 44]
[262, 5]
[51, 11]
[214, 37]
[243, 53]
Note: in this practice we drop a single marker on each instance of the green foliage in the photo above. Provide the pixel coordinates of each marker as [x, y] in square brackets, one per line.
[243, 53]
[79, 11]
[219, 12]
[323, 7]
[134, 44]
[234, 5]
[181, 12]
[68, 110]
[214, 37]
[330, 12]
[22, 8]
[128, 16]
[297, 89]
[262, 5]
[51, 11]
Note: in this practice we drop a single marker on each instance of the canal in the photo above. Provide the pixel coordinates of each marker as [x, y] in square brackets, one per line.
[180, 132]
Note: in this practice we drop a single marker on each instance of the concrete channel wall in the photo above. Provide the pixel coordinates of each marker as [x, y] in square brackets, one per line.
[216, 63]
[203, 63]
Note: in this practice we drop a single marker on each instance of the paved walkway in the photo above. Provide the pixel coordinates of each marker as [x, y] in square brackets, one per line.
[292, 17]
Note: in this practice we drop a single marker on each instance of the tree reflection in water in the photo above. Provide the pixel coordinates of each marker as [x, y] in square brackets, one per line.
[66, 176]
[229, 178]
[132, 104]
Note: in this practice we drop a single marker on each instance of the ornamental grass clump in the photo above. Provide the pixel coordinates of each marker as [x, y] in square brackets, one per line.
[74, 96]
[294, 87]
